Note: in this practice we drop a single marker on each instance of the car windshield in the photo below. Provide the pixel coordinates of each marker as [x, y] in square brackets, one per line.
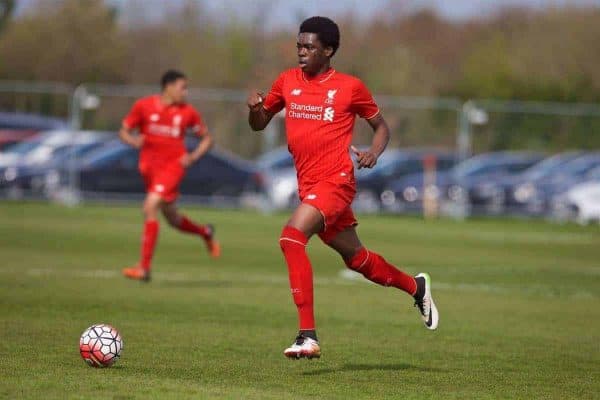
[105, 155]
[62, 154]
[546, 167]
[580, 166]
[386, 163]
[23, 147]
[593, 174]
[477, 166]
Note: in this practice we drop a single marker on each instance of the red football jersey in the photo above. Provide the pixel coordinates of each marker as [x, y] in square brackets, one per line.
[319, 116]
[163, 126]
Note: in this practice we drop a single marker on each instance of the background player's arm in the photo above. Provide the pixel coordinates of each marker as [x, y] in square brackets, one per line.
[381, 137]
[258, 116]
[203, 147]
[126, 135]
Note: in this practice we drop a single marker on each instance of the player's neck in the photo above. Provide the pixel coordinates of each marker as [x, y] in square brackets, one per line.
[323, 70]
[166, 100]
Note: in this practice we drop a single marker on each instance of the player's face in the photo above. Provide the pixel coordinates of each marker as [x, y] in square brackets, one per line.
[177, 90]
[312, 56]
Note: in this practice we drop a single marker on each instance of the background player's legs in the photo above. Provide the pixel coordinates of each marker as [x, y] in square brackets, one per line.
[151, 208]
[305, 222]
[184, 224]
[181, 222]
[371, 265]
[149, 236]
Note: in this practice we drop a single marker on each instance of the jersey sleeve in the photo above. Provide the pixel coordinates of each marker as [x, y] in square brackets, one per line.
[274, 101]
[363, 103]
[134, 118]
[196, 124]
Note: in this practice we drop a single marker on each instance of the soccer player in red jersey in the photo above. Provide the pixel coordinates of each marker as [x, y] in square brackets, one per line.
[321, 105]
[162, 121]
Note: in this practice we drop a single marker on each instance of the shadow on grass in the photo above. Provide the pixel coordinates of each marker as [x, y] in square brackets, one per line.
[372, 367]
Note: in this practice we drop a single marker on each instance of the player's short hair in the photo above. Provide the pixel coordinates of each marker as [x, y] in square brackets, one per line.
[326, 30]
[171, 76]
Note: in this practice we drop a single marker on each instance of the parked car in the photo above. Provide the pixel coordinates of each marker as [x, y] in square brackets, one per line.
[456, 188]
[32, 178]
[40, 150]
[581, 203]
[11, 137]
[392, 165]
[275, 160]
[516, 189]
[572, 173]
[30, 122]
[113, 169]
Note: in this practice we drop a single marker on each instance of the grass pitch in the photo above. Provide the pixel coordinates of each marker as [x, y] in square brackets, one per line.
[519, 305]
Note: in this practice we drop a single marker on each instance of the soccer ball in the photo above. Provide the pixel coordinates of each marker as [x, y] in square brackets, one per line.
[100, 345]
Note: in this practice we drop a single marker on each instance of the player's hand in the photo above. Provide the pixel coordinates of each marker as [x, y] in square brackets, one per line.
[186, 160]
[255, 100]
[137, 141]
[365, 159]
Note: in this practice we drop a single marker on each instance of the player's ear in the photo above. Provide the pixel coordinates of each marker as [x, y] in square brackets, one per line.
[328, 51]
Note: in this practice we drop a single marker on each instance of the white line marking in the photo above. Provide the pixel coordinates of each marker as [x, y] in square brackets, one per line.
[345, 277]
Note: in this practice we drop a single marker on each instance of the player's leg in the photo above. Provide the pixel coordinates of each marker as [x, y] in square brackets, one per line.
[376, 269]
[184, 224]
[305, 222]
[151, 208]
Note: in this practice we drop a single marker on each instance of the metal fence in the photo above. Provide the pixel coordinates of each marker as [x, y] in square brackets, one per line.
[448, 123]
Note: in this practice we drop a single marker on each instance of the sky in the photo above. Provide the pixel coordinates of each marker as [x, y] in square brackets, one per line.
[287, 13]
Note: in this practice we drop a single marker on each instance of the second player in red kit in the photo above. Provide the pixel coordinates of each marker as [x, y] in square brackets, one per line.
[321, 105]
[163, 121]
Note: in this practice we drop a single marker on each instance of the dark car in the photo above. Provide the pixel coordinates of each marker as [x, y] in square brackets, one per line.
[392, 165]
[113, 169]
[459, 185]
[17, 127]
[38, 153]
[276, 160]
[11, 137]
[541, 192]
[29, 122]
[510, 193]
[36, 179]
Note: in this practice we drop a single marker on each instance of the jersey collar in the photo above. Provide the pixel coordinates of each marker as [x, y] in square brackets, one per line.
[161, 106]
[319, 78]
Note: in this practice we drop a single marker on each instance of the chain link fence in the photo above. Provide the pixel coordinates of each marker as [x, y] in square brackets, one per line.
[474, 126]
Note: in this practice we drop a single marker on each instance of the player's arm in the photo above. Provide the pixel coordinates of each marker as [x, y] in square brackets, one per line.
[128, 137]
[130, 123]
[381, 137]
[205, 144]
[258, 116]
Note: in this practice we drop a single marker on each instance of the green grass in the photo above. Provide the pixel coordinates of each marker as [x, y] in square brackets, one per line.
[519, 304]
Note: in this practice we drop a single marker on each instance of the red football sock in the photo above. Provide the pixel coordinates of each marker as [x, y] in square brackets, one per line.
[186, 225]
[148, 243]
[376, 269]
[293, 244]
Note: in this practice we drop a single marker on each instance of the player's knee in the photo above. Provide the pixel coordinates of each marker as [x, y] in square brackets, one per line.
[172, 218]
[292, 238]
[150, 209]
[358, 260]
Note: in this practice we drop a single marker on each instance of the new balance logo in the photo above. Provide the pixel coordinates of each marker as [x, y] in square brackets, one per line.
[311, 197]
[296, 92]
[154, 117]
[328, 114]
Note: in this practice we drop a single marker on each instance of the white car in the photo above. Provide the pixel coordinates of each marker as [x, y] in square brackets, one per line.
[580, 203]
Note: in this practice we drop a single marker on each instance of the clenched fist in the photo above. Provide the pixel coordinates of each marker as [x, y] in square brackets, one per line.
[255, 100]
